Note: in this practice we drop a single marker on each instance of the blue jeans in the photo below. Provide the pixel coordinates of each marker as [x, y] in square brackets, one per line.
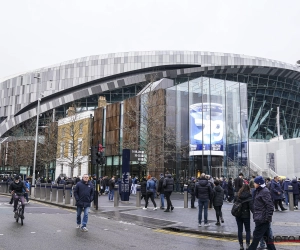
[286, 195]
[162, 200]
[203, 203]
[111, 195]
[85, 215]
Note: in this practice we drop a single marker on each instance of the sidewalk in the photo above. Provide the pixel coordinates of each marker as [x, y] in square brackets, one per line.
[186, 219]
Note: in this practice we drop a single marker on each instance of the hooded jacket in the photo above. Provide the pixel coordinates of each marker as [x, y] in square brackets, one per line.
[160, 187]
[218, 196]
[286, 184]
[84, 194]
[263, 206]
[144, 187]
[296, 186]
[151, 186]
[203, 189]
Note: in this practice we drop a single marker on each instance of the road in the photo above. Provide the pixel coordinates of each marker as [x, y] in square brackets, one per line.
[50, 227]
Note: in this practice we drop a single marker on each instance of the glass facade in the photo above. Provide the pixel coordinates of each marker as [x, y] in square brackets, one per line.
[210, 119]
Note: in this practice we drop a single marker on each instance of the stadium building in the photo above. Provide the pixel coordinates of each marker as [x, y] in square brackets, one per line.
[220, 101]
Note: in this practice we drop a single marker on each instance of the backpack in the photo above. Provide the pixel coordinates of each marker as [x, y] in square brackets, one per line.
[236, 209]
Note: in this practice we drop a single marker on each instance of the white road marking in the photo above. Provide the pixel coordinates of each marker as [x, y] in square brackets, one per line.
[58, 231]
[32, 232]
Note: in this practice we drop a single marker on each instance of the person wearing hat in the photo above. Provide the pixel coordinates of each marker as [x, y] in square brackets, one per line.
[286, 185]
[263, 208]
[160, 190]
[276, 193]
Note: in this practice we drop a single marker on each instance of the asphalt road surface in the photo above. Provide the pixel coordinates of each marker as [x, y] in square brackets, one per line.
[50, 227]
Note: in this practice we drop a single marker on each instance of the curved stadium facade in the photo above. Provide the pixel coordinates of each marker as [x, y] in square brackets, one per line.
[264, 85]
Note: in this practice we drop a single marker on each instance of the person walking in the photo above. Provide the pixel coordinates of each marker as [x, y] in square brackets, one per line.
[160, 190]
[296, 186]
[144, 188]
[192, 186]
[84, 195]
[151, 189]
[111, 185]
[27, 185]
[218, 197]
[263, 208]
[168, 189]
[203, 193]
[244, 196]
[230, 191]
[225, 188]
[286, 185]
[276, 193]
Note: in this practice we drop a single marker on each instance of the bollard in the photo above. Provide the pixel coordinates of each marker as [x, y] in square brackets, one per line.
[2, 187]
[291, 198]
[138, 196]
[48, 189]
[116, 196]
[43, 191]
[54, 193]
[60, 193]
[185, 197]
[38, 191]
[68, 189]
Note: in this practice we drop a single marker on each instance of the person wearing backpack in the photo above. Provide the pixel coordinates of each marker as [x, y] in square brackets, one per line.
[244, 197]
[218, 196]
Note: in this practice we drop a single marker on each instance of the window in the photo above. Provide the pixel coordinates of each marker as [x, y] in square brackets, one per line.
[80, 128]
[63, 132]
[71, 149]
[79, 147]
[62, 150]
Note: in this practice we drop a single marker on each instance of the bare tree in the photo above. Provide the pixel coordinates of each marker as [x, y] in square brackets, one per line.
[145, 127]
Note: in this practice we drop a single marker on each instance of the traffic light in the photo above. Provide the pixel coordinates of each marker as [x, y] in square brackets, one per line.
[100, 158]
[94, 156]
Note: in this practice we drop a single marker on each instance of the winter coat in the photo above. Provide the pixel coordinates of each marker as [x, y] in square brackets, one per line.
[286, 185]
[168, 183]
[17, 187]
[203, 189]
[218, 196]
[84, 194]
[160, 187]
[151, 186]
[225, 185]
[296, 186]
[263, 206]
[275, 188]
[238, 183]
[192, 187]
[144, 187]
[246, 206]
[230, 188]
[111, 184]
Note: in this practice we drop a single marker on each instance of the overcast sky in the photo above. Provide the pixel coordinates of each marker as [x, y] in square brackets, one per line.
[38, 33]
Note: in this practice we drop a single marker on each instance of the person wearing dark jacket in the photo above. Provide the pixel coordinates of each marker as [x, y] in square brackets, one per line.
[244, 195]
[296, 187]
[238, 183]
[151, 189]
[111, 185]
[192, 186]
[263, 208]
[144, 188]
[84, 195]
[285, 188]
[276, 193]
[225, 187]
[168, 189]
[230, 190]
[218, 196]
[160, 190]
[203, 193]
